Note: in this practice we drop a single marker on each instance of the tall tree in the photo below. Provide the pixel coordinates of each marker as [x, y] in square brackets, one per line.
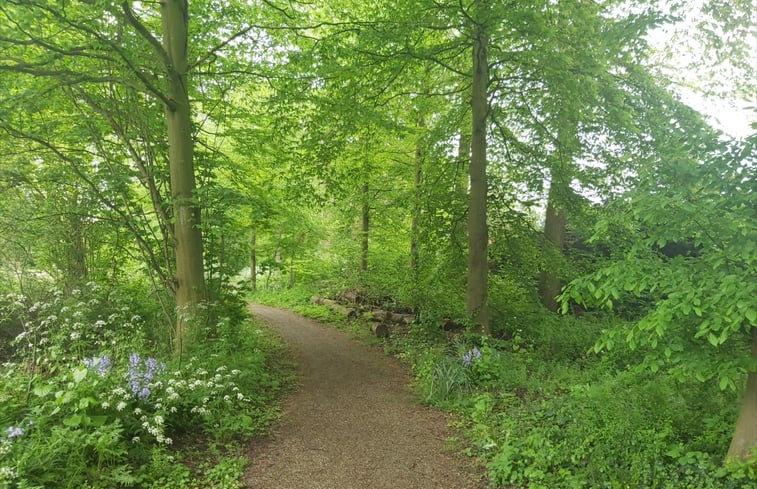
[478, 235]
[107, 60]
[190, 279]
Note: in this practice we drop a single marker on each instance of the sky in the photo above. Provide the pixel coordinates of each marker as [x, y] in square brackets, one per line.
[678, 48]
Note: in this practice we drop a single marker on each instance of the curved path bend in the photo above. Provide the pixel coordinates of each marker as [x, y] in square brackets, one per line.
[352, 423]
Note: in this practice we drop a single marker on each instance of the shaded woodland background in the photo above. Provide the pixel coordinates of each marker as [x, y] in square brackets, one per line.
[525, 172]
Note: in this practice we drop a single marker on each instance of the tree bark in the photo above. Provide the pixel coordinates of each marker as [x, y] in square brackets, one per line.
[365, 229]
[253, 263]
[478, 234]
[554, 232]
[415, 224]
[190, 280]
[744, 439]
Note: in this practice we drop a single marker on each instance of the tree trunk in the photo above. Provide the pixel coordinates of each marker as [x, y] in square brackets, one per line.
[253, 263]
[76, 270]
[415, 224]
[744, 439]
[554, 232]
[190, 280]
[365, 229]
[291, 274]
[478, 235]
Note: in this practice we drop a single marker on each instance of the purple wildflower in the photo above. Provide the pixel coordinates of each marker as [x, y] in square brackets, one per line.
[134, 360]
[141, 374]
[471, 356]
[14, 431]
[102, 364]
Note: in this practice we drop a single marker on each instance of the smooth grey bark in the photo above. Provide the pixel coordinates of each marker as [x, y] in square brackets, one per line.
[554, 233]
[190, 279]
[744, 440]
[478, 234]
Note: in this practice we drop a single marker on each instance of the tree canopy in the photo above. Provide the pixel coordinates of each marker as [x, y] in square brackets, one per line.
[486, 167]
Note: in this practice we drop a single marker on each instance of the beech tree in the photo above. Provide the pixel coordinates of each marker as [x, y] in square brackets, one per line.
[97, 57]
[702, 320]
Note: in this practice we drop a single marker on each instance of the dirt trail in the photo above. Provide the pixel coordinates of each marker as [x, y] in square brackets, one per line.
[352, 423]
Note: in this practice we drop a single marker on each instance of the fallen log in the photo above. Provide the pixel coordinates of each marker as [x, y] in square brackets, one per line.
[374, 315]
[333, 305]
[381, 330]
[403, 318]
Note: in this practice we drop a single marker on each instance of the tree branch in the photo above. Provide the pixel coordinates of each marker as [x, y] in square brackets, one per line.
[217, 48]
[142, 30]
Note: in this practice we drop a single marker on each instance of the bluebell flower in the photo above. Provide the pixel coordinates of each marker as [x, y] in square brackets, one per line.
[14, 431]
[471, 356]
[141, 373]
[102, 364]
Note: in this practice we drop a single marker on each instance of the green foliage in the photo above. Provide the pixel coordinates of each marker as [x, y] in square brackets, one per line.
[74, 418]
[542, 417]
[57, 327]
[702, 305]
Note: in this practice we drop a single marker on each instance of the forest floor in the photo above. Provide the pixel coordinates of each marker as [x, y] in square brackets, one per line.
[352, 423]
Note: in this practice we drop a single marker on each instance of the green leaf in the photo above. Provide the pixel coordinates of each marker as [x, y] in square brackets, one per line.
[42, 390]
[84, 402]
[79, 374]
[751, 315]
[73, 421]
[98, 420]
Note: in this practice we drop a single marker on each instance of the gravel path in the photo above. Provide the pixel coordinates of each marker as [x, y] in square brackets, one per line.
[352, 424]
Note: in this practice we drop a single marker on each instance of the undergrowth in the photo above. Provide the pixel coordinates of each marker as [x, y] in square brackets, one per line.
[88, 400]
[542, 420]
[542, 411]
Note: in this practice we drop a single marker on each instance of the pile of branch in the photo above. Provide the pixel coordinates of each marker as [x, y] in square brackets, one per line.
[379, 319]
[333, 305]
